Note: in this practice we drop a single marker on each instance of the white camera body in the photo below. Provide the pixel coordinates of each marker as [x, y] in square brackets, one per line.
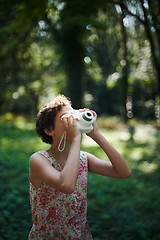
[84, 120]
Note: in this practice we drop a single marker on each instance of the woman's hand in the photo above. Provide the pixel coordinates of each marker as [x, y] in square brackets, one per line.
[71, 127]
[95, 127]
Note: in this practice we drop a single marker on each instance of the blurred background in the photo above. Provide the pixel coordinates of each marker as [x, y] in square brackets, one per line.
[103, 55]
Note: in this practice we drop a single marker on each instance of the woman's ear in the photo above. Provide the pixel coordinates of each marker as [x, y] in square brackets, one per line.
[49, 131]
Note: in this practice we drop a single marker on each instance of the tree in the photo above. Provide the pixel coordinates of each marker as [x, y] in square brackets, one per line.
[17, 20]
[74, 16]
[147, 12]
[90, 42]
[65, 21]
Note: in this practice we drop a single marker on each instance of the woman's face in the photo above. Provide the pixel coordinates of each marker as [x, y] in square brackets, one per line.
[58, 126]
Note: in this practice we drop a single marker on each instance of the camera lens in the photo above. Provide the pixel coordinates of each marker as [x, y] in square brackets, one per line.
[87, 116]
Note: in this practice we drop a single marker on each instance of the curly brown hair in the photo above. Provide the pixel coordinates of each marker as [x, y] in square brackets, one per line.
[46, 116]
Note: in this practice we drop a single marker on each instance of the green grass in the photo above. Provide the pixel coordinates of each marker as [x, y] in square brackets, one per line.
[125, 209]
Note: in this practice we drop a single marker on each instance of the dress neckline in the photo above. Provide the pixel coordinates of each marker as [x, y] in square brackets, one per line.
[53, 159]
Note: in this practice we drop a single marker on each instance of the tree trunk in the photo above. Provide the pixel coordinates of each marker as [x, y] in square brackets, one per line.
[155, 54]
[125, 72]
[73, 57]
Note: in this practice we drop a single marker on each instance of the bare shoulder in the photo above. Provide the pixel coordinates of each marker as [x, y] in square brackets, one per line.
[37, 168]
[35, 156]
[37, 160]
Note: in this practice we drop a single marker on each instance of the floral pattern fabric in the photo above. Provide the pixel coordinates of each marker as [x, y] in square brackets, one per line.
[57, 215]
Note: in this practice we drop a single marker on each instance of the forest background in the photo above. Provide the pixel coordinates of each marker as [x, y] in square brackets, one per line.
[103, 55]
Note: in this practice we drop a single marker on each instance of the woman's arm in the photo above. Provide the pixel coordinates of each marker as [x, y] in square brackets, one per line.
[69, 174]
[41, 170]
[117, 167]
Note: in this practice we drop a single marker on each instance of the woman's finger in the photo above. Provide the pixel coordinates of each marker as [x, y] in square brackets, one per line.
[84, 109]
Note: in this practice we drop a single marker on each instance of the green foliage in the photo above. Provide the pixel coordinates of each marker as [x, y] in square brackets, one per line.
[15, 215]
[117, 209]
[127, 209]
[44, 45]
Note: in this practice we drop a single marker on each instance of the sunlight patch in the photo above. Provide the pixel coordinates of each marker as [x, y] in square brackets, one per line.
[136, 154]
[148, 167]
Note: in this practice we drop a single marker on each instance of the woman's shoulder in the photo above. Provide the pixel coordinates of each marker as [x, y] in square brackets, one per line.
[38, 158]
[38, 154]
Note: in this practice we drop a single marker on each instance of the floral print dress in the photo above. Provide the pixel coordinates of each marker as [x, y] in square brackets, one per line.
[57, 215]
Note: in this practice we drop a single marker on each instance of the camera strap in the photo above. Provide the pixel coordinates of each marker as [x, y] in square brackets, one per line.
[63, 138]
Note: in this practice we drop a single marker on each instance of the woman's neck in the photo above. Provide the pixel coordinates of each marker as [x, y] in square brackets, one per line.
[59, 156]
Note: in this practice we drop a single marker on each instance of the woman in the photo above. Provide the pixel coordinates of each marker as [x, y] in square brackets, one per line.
[58, 176]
